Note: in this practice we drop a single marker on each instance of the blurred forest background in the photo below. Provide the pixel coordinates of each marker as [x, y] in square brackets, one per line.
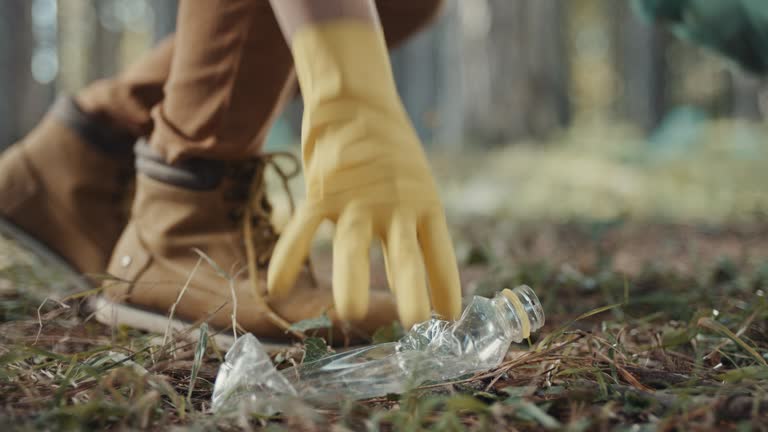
[531, 108]
[581, 150]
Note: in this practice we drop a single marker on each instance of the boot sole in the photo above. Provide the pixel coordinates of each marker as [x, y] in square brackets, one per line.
[113, 314]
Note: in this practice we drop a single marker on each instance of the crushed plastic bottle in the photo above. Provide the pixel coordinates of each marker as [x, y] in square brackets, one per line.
[433, 351]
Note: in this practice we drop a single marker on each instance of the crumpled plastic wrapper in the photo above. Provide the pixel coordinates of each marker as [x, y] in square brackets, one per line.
[248, 376]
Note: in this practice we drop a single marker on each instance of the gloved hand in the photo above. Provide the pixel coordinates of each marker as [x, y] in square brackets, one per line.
[365, 170]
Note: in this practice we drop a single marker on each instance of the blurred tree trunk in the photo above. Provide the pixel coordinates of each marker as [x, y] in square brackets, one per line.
[517, 70]
[415, 67]
[15, 48]
[745, 95]
[24, 100]
[548, 66]
[639, 52]
[449, 123]
[428, 75]
[105, 44]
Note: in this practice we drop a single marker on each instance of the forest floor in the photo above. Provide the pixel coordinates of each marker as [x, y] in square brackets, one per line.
[650, 326]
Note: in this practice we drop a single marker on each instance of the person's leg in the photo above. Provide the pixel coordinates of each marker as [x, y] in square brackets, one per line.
[231, 73]
[65, 184]
[64, 153]
[224, 93]
[124, 102]
[61, 193]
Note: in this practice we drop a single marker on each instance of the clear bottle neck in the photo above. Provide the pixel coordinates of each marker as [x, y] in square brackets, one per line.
[521, 310]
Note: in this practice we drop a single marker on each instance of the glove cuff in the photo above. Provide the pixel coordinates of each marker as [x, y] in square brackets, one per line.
[346, 78]
[344, 59]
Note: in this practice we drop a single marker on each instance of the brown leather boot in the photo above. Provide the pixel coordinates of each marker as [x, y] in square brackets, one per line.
[63, 187]
[202, 205]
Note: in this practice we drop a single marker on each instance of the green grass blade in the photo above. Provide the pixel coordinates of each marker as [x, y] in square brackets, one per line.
[557, 333]
[202, 344]
[715, 326]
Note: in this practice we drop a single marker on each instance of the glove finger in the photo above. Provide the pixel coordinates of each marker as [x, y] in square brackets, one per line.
[442, 269]
[406, 268]
[351, 264]
[290, 251]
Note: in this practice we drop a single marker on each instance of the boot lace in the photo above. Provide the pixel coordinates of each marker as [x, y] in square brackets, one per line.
[259, 234]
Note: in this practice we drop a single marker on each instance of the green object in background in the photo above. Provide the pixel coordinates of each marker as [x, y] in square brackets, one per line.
[737, 29]
[678, 134]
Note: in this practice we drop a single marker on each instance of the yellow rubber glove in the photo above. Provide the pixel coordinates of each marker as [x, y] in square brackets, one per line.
[365, 171]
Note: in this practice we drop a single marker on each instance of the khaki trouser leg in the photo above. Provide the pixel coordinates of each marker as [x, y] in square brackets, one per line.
[232, 73]
[125, 101]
